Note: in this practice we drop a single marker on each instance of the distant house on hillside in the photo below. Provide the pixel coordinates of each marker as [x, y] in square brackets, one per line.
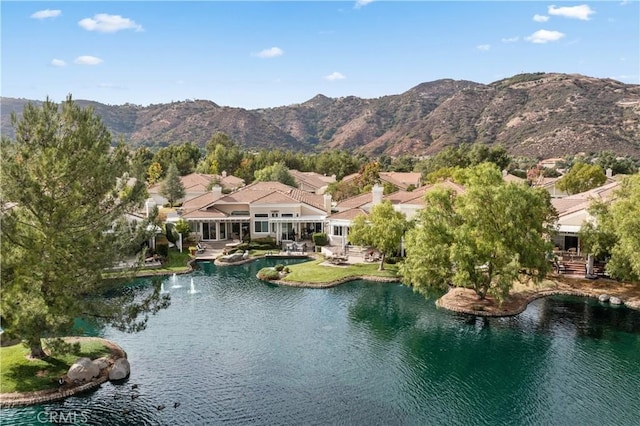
[196, 184]
[311, 181]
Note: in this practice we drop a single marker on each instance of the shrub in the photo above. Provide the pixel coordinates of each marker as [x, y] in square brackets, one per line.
[320, 239]
[162, 249]
[279, 267]
[268, 274]
[263, 243]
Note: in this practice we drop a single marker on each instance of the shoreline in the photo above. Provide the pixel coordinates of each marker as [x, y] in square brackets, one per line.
[465, 301]
[22, 399]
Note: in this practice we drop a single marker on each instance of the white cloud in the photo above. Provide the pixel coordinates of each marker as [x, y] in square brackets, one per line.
[540, 18]
[272, 52]
[483, 47]
[46, 13]
[544, 36]
[581, 12]
[105, 23]
[58, 63]
[362, 3]
[335, 76]
[88, 60]
[510, 39]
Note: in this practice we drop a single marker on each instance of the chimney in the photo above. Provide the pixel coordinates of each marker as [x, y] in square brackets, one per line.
[609, 173]
[224, 173]
[504, 173]
[327, 203]
[217, 191]
[377, 194]
[149, 205]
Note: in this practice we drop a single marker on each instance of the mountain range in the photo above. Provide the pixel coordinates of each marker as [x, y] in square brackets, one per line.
[536, 115]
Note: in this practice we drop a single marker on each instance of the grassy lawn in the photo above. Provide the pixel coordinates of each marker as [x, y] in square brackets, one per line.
[19, 374]
[313, 272]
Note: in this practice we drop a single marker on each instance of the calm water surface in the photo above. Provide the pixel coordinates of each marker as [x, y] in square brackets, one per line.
[240, 351]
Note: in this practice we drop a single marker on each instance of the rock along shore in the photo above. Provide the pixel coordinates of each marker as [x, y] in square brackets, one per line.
[19, 399]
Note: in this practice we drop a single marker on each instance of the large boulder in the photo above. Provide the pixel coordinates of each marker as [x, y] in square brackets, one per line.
[83, 370]
[604, 298]
[120, 369]
[615, 300]
[101, 363]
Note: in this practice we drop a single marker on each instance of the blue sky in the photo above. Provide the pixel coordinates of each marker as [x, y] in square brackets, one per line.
[265, 54]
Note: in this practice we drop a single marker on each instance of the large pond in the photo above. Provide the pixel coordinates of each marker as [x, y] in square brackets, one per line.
[239, 351]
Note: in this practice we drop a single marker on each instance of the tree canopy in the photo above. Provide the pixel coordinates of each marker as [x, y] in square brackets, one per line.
[277, 172]
[581, 177]
[63, 224]
[481, 239]
[171, 187]
[382, 229]
[616, 233]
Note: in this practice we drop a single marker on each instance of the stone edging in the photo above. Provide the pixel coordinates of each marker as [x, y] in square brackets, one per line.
[332, 283]
[20, 399]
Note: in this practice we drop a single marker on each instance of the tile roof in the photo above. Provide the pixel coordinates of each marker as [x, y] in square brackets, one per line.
[348, 214]
[312, 179]
[401, 179]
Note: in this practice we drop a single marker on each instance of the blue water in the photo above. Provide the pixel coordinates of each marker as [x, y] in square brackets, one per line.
[240, 351]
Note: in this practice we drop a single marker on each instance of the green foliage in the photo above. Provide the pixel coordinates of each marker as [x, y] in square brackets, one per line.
[277, 172]
[320, 239]
[67, 225]
[183, 228]
[268, 274]
[464, 156]
[171, 233]
[581, 177]
[617, 232]
[617, 164]
[223, 155]
[382, 229]
[20, 374]
[279, 267]
[154, 173]
[162, 249]
[481, 239]
[185, 156]
[172, 188]
[265, 243]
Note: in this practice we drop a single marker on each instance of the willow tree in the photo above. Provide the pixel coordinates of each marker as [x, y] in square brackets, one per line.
[483, 239]
[64, 224]
[382, 229]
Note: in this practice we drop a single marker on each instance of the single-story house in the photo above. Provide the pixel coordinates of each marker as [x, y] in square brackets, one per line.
[311, 181]
[258, 210]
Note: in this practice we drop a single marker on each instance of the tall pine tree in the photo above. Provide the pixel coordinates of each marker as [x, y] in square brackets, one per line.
[64, 203]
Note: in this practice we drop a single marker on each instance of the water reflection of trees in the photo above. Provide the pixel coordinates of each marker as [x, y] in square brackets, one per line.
[586, 318]
[383, 310]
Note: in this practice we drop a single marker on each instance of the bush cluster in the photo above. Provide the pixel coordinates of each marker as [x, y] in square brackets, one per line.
[320, 239]
[268, 274]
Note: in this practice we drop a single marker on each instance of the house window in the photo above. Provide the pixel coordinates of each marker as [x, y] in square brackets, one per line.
[337, 230]
[275, 213]
[287, 214]
[261, 225]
